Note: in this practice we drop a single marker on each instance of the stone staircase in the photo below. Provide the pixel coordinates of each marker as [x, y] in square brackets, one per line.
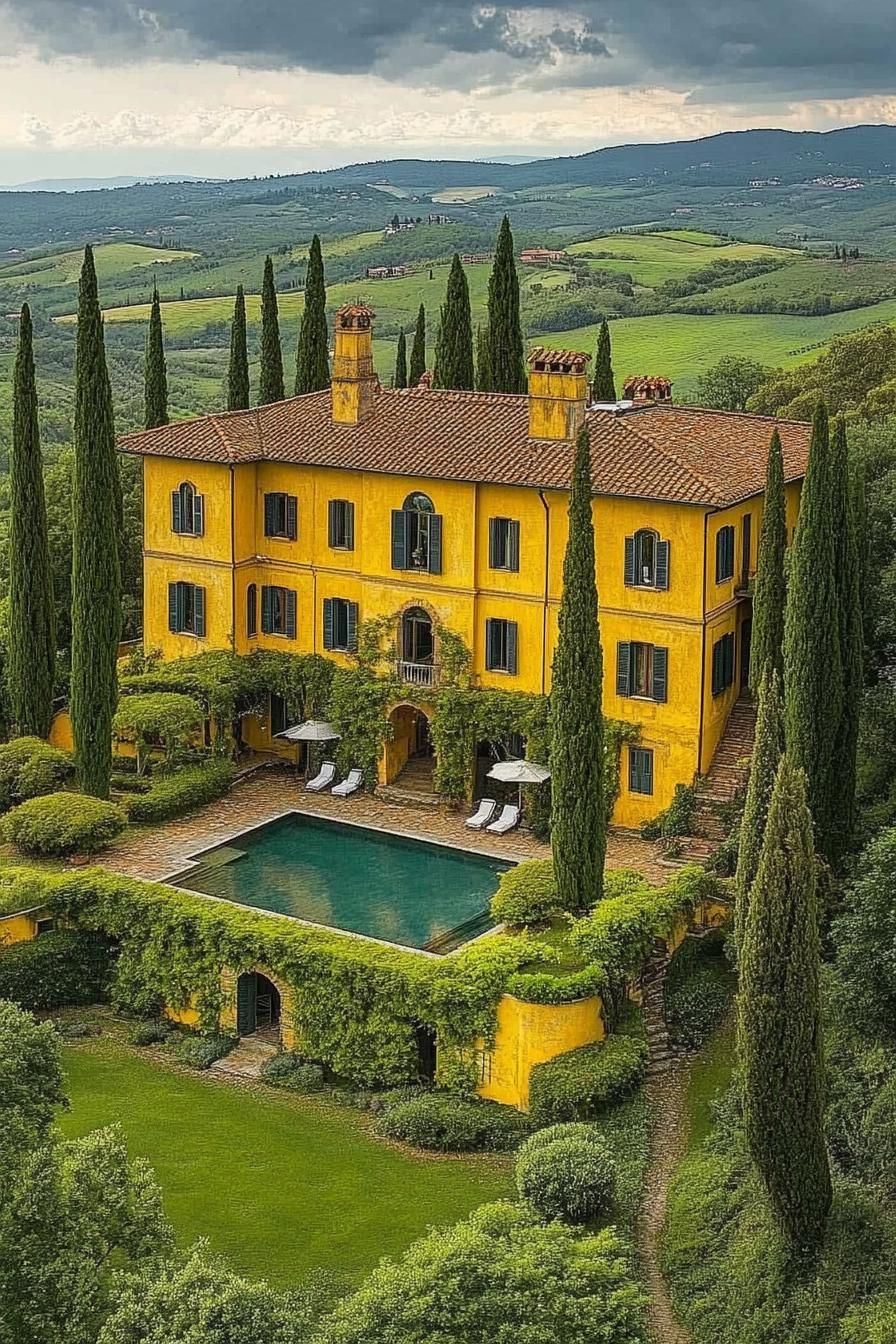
[726, 779]
[413, 786]
[653, 1007]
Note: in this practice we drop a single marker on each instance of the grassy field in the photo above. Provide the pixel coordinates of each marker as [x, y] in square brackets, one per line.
[461, 195]
[113, 261]
[711, 1072]
[279, 1185]
[807, 279]
[651, 258]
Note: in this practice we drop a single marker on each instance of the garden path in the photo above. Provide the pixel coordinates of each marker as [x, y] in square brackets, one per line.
[158, 852]
[667, 1098]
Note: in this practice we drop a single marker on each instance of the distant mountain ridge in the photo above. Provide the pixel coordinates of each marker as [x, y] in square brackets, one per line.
[71, 184]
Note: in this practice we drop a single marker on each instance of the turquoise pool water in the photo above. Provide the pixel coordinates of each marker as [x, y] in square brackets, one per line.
[350, 877]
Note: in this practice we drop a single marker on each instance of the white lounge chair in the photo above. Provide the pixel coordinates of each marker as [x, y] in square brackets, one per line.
[510, 817]
[324, 777]
[483, 814]
[350, 784]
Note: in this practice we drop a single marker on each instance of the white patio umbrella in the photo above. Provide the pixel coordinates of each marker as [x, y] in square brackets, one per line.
[519, 772]
[312, 730]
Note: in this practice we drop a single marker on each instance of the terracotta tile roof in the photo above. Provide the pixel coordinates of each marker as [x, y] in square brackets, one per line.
[678, 453]
[540, 358]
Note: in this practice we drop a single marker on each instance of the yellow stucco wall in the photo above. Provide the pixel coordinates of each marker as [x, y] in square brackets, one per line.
[227, 1018]
[22, 926]
[61, 734]
[529, 1034]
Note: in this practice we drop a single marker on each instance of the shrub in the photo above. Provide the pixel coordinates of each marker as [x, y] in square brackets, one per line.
[60, 968]
[175, 795]
[567, 1175]
[678, 818]
[78, 1031]
[156, 1032]
[166, 719]
[129, 783]
[527, 894]
[698, 992]
[63, 823]
[200, 1052]
[450, 1124]
[294, 1073]
[29, 768]
[576, 1085]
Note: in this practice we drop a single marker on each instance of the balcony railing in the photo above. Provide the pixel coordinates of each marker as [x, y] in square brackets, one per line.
[743, 586]
[418, 674]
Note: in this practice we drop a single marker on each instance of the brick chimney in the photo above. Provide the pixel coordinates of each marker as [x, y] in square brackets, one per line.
[644, 390]
[558, 393]
[354, 381]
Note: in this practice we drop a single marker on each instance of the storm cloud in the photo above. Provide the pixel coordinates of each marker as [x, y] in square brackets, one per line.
[803, 48]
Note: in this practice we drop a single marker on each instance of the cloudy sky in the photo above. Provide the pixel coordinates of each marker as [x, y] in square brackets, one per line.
[230, 87]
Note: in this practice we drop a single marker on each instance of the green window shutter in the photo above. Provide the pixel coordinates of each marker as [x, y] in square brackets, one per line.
[198, 515]
[328, 622]
[493, 543]
[199, 611]
[662, 565]
[349, 525]
[660, 673]
[331, 522]
[489, 645]
[729, 660]
[290, 594]
[270, 521]
[399, 539]
[623, 668]
[266, 610]
[251, 610]
[246, 995]
[292, 517]
[515, 545]
[512, 647]
[640, 774]
[352, 622]
[176, 512]
[173, 608]
[435, 543]
[629, 569]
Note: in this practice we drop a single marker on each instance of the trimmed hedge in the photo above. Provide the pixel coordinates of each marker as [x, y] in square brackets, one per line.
[61, 968]
[30, 768]
[449, 1124]
[201, 1051]
[63, 823]
[566, 1172]
[578, 1084]
[183, 792]
[290, 1071]
[527, 894]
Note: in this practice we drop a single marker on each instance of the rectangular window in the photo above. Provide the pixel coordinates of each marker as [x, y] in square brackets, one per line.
[724, 554]
[278, 612]
[501, 646]
[723, 663]
[504, 544]
[341, 524]
[340, 625]
[417, 540]
[186, 609]
[278, 717]
[642, 671]
[281, 513]
[46, 925]
[640, 770]
[251, 611]
[187, 511]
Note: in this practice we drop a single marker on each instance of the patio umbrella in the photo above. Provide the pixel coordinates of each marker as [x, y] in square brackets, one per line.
[519, 772]
[312, 730]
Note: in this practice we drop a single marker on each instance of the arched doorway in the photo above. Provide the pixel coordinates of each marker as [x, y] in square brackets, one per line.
[258, 1005]
[410, 751]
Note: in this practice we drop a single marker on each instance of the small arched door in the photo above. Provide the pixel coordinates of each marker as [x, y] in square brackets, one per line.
[257, 1003]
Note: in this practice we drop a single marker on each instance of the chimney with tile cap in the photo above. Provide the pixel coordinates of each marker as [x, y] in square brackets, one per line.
[354, 380]
[558, 393]
[644, 390]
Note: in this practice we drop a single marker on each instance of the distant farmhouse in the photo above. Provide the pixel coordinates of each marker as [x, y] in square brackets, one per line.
[542, 256]
[387, 272]
[398, 225]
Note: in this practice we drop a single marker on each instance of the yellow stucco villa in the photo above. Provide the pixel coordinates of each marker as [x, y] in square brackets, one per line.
[287, 525]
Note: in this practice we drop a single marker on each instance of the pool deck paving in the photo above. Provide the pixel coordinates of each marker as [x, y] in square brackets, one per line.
[160, 852]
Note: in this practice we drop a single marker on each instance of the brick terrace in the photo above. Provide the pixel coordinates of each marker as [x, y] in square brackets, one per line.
[165, 849]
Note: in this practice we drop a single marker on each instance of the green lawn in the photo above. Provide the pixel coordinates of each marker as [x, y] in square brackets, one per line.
[651, 258]
[279, 1185]
[711, 1072]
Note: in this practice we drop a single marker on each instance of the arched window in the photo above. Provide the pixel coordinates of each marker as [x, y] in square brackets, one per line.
[417, 535]
[646, 560]
[187, 511]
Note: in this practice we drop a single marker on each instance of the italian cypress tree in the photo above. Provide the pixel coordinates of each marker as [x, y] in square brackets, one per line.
[401, 362]
[504, 333]
[312, 356]
[454, 346]
[483, 371]
[32, 636]
[238, 376]
[96, 527]
[578, 806]
[847, 567]
[766, 757]
[813, 672]
[603, 387]
[270, 387]
[156, 375]
[770, 589]
[779, 1019]
[418, 350]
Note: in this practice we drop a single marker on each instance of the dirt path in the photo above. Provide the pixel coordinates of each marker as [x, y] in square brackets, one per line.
[667, 1098]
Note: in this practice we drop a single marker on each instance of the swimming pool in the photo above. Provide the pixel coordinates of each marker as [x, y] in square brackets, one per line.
[405, 891]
